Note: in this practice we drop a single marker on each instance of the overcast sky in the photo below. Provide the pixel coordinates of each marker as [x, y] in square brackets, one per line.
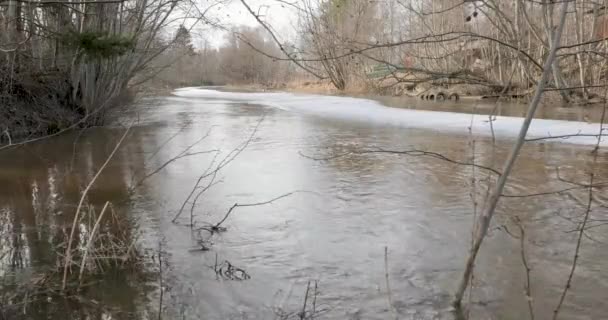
[234, 13]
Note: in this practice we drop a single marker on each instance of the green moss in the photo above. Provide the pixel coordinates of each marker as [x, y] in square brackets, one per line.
[99, 44]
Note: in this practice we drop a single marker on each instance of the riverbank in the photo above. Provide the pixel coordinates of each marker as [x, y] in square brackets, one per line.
[47, 106]
[549, 109]
[424, 91]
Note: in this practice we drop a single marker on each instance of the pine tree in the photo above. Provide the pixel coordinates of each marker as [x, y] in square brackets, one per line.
[183, 40]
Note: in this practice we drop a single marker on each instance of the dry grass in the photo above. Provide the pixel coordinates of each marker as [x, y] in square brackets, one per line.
[106, 245]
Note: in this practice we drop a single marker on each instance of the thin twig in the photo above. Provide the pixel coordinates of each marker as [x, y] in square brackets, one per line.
[160, 280]
[162, 145]
[584, 222]
[168, 162]
[314, 301]
[528, 269]
[389, 294]
[90, 242]
[576, 251]
[224, 162]
[68, 250]
[492, 201]
[410, 152]
[544, 193]
[196, 186]
[563, 136]
[303, 312]
[236, 205]
[184, 153]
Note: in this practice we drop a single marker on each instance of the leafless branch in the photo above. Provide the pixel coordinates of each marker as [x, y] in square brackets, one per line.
[183, 154]
[231, 156]
[564, 136]
[586, 216]
[68, 252]
[236, 205]
[527, 268]
[411, 152]
[497, 191]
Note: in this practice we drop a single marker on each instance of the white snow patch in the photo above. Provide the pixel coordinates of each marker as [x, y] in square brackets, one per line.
[357, 109]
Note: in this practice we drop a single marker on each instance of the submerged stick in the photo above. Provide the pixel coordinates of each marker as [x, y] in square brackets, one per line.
[303, 313]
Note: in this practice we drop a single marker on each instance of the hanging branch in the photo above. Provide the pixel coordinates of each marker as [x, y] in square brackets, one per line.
[278, 42]
[492, 202]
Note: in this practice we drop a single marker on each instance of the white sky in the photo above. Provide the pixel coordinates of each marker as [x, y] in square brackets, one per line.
[279, 16]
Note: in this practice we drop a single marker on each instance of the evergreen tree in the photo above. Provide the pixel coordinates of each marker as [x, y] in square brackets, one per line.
[183, 40]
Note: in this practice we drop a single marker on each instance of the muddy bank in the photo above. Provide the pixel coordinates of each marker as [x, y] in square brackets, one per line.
[36, 105]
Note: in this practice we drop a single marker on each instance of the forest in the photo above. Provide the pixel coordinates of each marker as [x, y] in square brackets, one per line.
[57, 55]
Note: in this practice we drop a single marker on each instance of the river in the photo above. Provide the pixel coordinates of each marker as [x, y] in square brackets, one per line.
[347, 207]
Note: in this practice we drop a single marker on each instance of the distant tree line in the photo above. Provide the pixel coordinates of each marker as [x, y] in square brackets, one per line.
[233, 62]
[498, 44]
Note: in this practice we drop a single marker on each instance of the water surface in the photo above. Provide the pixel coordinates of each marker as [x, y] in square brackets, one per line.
[351, 206]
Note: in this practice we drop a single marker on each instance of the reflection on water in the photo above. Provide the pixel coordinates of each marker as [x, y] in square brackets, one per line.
[41, 188]
[419, 207]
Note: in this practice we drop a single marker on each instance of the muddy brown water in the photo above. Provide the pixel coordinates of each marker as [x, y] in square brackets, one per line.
[333, 233]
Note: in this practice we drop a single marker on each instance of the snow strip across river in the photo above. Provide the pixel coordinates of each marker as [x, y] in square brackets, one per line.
[364, 110]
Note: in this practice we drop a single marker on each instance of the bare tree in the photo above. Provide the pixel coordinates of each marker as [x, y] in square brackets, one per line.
[491, 202]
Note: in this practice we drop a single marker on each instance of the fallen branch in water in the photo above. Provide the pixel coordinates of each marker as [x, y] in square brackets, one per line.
[217, 227]
[228, 271]
[564, 137]
[411, 152]
[544, 193]
[582, 185]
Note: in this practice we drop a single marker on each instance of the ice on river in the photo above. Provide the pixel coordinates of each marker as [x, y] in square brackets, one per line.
[373, 112]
